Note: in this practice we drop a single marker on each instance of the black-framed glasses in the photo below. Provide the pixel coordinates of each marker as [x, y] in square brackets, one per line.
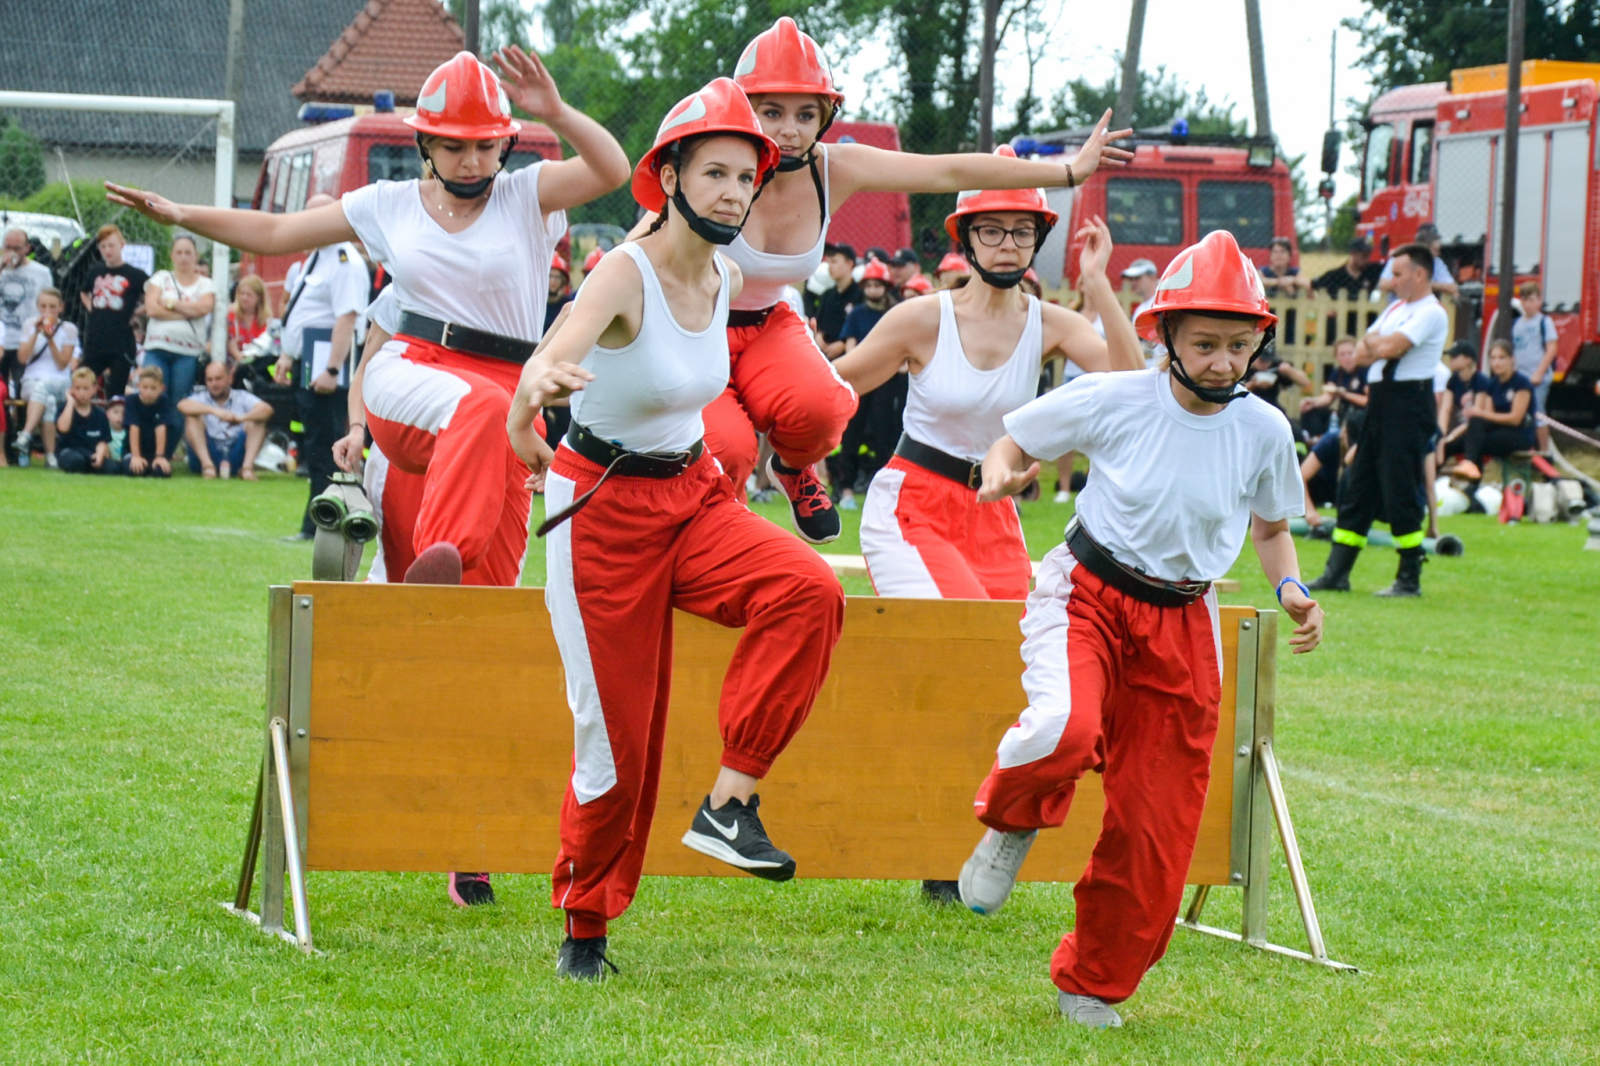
[995, 236]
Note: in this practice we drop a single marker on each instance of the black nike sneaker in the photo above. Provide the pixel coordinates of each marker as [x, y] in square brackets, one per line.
[734, 834]
[470, 890]
[815, 517]
[941, 891]
[584, 959]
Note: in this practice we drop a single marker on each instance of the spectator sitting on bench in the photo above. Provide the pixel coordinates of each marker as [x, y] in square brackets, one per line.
[153, 427]
[83, 441]
[1500, 423]
[1467, 382]
[1344, 389]
[48, 352]
[223, 426]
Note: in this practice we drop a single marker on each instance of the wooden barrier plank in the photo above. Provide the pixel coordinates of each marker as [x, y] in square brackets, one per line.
[440, 739]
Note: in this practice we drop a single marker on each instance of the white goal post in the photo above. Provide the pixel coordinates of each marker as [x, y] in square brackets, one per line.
[221, 110]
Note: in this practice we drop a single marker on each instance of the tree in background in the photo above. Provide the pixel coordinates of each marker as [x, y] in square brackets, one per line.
[21, 161]
[1406, 42]
[1162, 98]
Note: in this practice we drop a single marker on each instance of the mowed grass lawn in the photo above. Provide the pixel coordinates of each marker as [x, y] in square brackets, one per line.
[1442, 759]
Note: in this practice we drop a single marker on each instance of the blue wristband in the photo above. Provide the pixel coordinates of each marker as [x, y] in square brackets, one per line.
[1296, 583]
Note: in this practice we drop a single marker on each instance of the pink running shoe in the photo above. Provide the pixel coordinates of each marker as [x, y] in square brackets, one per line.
[437, 564]
[470, 890]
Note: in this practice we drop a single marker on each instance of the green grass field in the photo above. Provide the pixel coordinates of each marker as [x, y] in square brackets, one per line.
[1442, 759]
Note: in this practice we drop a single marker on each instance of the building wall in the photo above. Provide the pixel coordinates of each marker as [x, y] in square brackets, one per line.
[185, 180]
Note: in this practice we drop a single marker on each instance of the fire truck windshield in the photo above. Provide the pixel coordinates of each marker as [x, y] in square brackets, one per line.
[1144, 210]
[1375, 171]
[1243, 208]
[400, 162]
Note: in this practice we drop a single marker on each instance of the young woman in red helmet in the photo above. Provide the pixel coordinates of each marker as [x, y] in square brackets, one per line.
[470, 247]
[974, 355]
[780, 382]
[1121, 644]
[643, 521]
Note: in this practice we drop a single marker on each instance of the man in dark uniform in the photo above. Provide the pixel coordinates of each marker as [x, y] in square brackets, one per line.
[1402, 349]
[834, 306]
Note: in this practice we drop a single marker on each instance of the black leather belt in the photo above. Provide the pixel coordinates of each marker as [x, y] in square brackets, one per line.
[620, 462]
[460, 338]
[750, 318]
[1103, 565]
[944, 464]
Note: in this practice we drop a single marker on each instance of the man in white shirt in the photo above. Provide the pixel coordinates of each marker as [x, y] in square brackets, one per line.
[1402, 348]
[21, 281]
[1444, 283]
[1141, 276]
[326, 300]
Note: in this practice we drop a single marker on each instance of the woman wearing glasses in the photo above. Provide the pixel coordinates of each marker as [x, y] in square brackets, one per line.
[974, 355]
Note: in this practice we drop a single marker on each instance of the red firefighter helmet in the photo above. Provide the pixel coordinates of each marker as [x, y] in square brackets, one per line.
[719, 107]
[1213, 275]
[875, 270]
[785, 60]
[592, 260]
[919, 284]
[1031, 275]
[979, 201]
[953, 263]
[559, 262]
[463, 99]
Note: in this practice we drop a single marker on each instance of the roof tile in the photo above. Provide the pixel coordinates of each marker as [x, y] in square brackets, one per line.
[390, 44]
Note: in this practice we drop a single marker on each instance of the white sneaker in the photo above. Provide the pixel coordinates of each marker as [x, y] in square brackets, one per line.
[847, 502]
[988, 877]
[1092, 1011]
[1063, 496]
[50, 461]
[24, 446]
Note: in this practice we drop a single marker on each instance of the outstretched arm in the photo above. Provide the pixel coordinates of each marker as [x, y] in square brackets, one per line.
[600, 165]
[249, 231]
[1123, 351]
[859, 168]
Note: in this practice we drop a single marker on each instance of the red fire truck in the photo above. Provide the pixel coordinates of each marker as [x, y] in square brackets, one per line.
[1433, 154]
[870, 219]
[1176, 189]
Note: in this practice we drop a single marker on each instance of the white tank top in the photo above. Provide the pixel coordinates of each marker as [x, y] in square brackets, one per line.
[647, 395]
[765, 274]
[955, 407]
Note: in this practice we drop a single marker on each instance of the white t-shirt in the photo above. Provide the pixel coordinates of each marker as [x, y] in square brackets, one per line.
[44, 363]
[19, 295]
[1171, 492]
[180, 336]
[1441, 378]
[239, 402]
[1427, 323]
[493, 276]
[384, 311]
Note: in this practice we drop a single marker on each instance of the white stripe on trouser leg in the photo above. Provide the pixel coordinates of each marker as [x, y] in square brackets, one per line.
[1046, 678]
[1216, 628]
[410, 394]
[594, 772]
[374, 475]
[896, 565]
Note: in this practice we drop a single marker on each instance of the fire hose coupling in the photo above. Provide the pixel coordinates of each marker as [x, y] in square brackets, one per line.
[343, 508]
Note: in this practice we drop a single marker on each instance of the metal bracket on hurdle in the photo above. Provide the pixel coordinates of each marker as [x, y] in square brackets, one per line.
[1259, 801]
[277, 819]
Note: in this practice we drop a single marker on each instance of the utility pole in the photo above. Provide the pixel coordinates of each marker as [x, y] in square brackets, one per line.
[1128, 91]
[233, 74]
[1516, 22]
[991, 21]
[1258, 67]
[1327, 201]
[470, 24]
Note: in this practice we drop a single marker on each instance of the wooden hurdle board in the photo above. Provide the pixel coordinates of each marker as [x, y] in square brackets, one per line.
[426, 728]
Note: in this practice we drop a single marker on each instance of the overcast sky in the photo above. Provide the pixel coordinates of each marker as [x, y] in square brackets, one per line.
[1201, 42]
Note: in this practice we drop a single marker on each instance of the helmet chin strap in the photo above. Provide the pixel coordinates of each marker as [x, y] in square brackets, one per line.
[1000, 279]
[466, 190]
[1223, 396]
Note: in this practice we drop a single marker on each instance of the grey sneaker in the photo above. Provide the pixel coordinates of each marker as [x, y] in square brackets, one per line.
[1092, 1011]
[988, 876]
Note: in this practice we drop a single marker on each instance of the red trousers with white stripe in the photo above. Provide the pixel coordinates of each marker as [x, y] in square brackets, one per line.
[1131, 690]
[928, 537]
[440, 419]
[780, 384]
[616, 570]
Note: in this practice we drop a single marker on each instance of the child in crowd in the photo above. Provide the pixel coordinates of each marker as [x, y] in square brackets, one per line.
[48, 353]
[118, 441]
[154, 426]
[83, 444]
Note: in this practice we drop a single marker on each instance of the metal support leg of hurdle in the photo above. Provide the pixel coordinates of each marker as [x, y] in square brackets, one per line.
[1259, 801]
[277, 819]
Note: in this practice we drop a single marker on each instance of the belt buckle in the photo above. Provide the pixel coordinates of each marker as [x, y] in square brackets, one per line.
[444, 335]
[975, 476]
